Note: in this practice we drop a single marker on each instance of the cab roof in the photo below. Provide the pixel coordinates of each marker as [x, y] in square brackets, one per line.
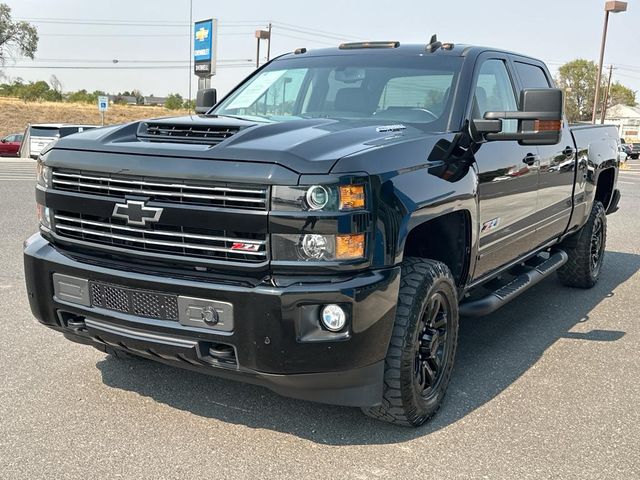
[421, 49]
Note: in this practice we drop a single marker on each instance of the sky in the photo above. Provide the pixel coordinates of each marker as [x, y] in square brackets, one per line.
[151, 39]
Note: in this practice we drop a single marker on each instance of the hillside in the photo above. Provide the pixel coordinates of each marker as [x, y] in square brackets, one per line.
[16, 114]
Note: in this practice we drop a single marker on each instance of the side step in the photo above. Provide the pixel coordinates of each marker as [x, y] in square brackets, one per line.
[493, 301]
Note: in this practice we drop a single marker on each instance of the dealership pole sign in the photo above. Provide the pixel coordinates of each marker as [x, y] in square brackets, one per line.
[205, 34]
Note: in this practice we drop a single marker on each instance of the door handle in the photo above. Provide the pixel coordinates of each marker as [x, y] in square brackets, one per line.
[530, 159]
[568, 152]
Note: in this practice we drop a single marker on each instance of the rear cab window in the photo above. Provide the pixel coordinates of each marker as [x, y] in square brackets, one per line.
[531, 76]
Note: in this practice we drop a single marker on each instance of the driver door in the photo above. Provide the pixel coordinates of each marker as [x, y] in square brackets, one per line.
[507, 175]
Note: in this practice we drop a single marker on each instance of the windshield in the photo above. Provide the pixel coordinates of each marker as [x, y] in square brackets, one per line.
[392, 88]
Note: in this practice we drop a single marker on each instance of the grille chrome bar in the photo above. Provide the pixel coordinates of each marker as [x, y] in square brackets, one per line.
[160, 232]
[155, 184]
[166, 241]
[155, 242]
[232, 197]
[158, 193]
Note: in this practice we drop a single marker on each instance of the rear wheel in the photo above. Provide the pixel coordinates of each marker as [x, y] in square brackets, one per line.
[586, 258]
[422, 350]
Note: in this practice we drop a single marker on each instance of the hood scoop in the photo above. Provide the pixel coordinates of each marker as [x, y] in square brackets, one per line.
[185, 133]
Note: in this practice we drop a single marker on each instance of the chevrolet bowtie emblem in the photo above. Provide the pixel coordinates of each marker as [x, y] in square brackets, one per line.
[136, 213]
[202, 34]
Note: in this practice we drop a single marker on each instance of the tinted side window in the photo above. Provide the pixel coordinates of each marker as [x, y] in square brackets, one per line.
[531, 76]
[494, 90]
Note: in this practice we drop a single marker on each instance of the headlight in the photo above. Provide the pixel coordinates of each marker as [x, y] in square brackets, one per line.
[43, 175]
[316, 247]
[326, 198]
[44, 216]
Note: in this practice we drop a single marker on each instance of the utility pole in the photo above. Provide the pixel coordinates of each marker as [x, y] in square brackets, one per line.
[606, 96]
[190, 50]
[269, 43]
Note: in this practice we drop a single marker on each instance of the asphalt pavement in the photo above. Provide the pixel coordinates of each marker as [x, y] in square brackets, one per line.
[547, 387]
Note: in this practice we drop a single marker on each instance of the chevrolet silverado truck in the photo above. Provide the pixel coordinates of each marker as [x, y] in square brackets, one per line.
[321, 229]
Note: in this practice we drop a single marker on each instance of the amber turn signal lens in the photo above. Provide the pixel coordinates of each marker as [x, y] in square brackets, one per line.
[548, 125]
[351, 197]
[349, 246]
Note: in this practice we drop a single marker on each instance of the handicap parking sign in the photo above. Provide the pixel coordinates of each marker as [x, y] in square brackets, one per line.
[103, 103]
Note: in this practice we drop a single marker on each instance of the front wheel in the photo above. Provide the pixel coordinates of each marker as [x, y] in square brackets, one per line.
[423, 344]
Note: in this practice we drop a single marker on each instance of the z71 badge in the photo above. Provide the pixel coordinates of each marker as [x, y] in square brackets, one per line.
[490, 225]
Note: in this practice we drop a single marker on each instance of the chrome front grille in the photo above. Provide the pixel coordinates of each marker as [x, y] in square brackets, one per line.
[187, 192]
[198, 243]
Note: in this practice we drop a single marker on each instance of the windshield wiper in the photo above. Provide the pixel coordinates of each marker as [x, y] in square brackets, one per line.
[249, 118]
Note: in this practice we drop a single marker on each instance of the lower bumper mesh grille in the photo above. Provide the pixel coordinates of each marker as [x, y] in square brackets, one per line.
[140, 303]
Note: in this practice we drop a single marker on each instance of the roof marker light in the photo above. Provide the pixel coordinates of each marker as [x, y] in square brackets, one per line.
[356, 45]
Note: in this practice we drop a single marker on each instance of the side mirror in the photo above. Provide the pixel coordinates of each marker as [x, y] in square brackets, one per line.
[205, 99]
[4, 140]
[539, 119]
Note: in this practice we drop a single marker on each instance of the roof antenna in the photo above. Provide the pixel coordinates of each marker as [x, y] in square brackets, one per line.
[434, 44]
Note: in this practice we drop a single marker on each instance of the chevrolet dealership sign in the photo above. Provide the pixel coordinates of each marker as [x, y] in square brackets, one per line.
[204, 47]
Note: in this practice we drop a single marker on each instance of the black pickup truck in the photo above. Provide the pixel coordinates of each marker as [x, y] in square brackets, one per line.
[320, 230]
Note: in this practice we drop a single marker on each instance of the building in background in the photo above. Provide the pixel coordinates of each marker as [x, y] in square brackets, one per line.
[155, 101]
[627, 119]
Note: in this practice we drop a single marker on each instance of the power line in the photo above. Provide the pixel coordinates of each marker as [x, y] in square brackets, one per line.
[309, 40]
[150, 35]
[89, 60]
[302, 31]
[141, 67]
[312, 30]
[128, 23]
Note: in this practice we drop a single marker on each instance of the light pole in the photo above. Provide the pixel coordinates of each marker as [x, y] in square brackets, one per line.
[262, 35]
[610, 6]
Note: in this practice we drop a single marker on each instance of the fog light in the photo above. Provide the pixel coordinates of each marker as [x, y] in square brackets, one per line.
[333, 318]
[315, 246]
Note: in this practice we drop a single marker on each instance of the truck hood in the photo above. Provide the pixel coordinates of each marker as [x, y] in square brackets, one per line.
[306, 146]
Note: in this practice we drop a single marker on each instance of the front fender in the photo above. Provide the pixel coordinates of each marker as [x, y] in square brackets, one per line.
[413, 197]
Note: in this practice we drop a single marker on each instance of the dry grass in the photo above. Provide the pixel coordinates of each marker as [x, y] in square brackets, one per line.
[16, 114]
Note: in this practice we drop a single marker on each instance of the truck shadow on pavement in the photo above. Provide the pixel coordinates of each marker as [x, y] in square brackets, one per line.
[493, 353]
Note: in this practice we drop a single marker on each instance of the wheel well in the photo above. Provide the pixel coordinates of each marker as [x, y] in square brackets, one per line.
[604, 188]
[446, 239]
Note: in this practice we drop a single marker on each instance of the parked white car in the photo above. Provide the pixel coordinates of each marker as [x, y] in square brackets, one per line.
[38, 136]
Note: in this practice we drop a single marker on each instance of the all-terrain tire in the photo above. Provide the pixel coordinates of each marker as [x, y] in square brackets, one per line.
[586, 255]
[405, 400]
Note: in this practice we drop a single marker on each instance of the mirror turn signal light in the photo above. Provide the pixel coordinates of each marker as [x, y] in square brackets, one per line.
[351, 197]
[349, 246]
[548, 125]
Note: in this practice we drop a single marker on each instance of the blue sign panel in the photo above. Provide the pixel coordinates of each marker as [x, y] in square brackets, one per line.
[203, 41]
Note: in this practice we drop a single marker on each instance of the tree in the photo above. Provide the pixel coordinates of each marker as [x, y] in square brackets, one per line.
[34, 91]
[174, 101]
[621, 94]
[189, 105]
[16, 38]
[139, 96]
[578, 79]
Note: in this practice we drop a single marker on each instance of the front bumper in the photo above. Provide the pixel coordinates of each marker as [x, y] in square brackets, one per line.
[271, 341]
